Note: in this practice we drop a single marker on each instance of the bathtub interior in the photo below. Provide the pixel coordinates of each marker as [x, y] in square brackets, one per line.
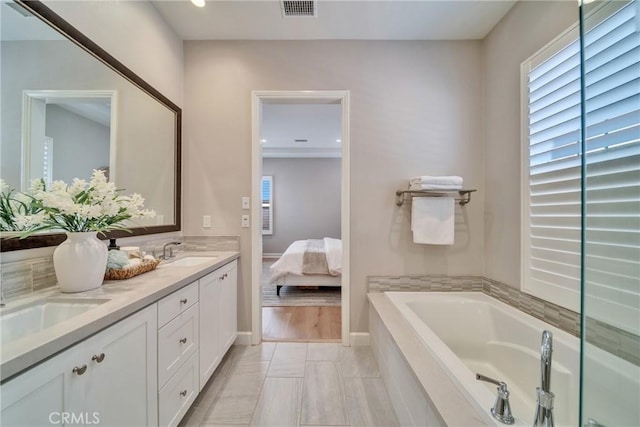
[613, 386]
[483, 337]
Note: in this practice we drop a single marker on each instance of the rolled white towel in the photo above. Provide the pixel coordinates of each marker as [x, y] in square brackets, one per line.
[437, 180]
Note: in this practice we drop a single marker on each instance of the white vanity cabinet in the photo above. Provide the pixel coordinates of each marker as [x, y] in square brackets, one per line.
[218, 317]
[108, 379]
[228, 305]
[178, 353]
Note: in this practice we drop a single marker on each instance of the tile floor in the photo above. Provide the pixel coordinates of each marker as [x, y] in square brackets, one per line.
[294, 384]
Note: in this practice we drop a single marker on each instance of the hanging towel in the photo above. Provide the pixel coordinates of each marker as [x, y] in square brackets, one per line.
[433, 220]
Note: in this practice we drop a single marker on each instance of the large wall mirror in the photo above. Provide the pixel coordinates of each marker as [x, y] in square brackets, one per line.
[69, 107]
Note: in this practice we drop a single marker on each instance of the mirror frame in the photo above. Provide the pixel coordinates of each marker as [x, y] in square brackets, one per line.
[38, 9]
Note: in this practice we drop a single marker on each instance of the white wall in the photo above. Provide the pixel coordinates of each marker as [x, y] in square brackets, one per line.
[80, 145]
[135, 33]
[306, 201]
[416, 109]
[526, 28]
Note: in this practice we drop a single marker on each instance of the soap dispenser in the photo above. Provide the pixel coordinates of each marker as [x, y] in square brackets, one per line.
[112, 245]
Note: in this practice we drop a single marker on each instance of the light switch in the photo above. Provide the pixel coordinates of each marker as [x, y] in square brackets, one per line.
[245, 203]
[206, 221]
[245, 221]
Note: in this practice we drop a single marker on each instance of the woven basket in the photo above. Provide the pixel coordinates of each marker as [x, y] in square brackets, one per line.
[127, 273]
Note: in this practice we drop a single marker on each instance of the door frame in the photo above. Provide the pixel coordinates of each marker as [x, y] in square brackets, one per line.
[258, 98]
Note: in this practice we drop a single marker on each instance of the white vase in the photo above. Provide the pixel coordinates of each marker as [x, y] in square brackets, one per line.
[80, 262]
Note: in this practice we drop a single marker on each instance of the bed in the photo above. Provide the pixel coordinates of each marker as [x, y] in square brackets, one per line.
[311, 262]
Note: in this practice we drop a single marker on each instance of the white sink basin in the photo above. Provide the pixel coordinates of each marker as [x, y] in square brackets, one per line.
[190, 261]
[40, 315]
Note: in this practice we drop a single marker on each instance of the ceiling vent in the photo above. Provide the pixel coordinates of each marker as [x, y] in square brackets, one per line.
[297, 8]
[300, 140]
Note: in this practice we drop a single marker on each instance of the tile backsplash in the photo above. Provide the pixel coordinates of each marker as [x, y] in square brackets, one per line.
[20, 278]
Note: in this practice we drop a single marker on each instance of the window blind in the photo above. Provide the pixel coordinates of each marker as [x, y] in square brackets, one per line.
[267, 205]
[612, 150]
[552, 196]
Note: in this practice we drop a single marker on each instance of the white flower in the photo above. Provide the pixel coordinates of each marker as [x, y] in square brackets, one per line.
[77, 187]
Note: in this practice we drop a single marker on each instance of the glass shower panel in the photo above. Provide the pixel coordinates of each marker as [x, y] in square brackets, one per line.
[610, 35]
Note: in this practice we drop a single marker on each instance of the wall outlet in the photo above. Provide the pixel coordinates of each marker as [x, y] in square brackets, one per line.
[245, 221]
[246, 204]
[206, 221]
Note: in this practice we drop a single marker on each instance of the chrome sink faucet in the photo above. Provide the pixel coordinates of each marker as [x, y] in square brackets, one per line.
[544, 409]
[169, 245]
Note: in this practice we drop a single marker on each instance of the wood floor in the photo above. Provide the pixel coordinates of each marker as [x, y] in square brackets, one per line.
[302, 324]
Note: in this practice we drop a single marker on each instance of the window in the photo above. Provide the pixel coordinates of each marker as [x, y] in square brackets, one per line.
[551, 210]
[267, 205]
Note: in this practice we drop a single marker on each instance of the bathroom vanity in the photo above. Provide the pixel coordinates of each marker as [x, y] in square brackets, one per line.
[133, 352]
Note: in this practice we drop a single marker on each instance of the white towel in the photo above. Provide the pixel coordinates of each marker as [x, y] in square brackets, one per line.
[433, 220]
[434, 187]
[437, 180]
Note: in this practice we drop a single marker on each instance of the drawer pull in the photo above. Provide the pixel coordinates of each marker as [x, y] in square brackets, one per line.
[98, 358]
[183, 301]
[80, 370]
[183, 340]
[183, 393]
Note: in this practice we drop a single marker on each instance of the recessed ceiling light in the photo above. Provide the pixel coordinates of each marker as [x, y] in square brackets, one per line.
[199, 3]
[338, 140]
[263, 140]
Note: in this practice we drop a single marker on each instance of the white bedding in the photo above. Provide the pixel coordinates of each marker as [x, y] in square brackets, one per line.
[291, 261]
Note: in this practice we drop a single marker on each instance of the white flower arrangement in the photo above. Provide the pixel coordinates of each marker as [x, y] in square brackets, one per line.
[95, 206]
[18, 212]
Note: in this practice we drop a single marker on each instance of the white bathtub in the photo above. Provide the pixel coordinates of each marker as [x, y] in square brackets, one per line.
[470, 332]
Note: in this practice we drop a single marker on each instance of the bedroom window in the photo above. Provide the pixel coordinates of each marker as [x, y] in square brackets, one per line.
[552, 155]
[267, 205]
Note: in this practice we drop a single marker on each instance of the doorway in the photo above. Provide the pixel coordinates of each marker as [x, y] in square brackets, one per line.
[298, 318]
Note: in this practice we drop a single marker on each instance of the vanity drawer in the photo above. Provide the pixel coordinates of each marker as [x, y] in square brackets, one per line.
[177, 341]
[174, 304]
[175, 398]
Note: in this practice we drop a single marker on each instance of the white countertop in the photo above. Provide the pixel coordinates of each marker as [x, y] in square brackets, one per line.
[125, 298]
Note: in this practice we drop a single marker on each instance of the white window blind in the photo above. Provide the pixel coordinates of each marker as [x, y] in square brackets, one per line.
[612, 235]
[267, 205]
[552, 159]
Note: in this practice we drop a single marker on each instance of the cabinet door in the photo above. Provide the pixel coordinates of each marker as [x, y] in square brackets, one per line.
[46, 393]
[209, 301]
[121, 388]
[228, 305]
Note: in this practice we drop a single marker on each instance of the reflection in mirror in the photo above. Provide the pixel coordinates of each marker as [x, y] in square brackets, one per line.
[68, 134]
[68, 107]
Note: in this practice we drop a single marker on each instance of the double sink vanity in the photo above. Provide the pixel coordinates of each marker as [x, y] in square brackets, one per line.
[132, 352]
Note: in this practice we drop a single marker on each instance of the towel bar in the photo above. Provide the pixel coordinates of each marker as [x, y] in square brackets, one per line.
[466, 195]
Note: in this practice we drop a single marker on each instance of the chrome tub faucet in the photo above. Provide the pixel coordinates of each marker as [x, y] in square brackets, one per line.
[501, 410]
[544, 408]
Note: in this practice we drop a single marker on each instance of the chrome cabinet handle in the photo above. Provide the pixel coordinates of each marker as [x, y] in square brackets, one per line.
[81, 370]
[183, 301]
[183, 393]
[98, 358]
[183, 340]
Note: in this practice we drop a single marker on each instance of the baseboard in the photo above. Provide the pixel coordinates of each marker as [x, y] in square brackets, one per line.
[243, 338]
[271, 256]
[359, 339]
